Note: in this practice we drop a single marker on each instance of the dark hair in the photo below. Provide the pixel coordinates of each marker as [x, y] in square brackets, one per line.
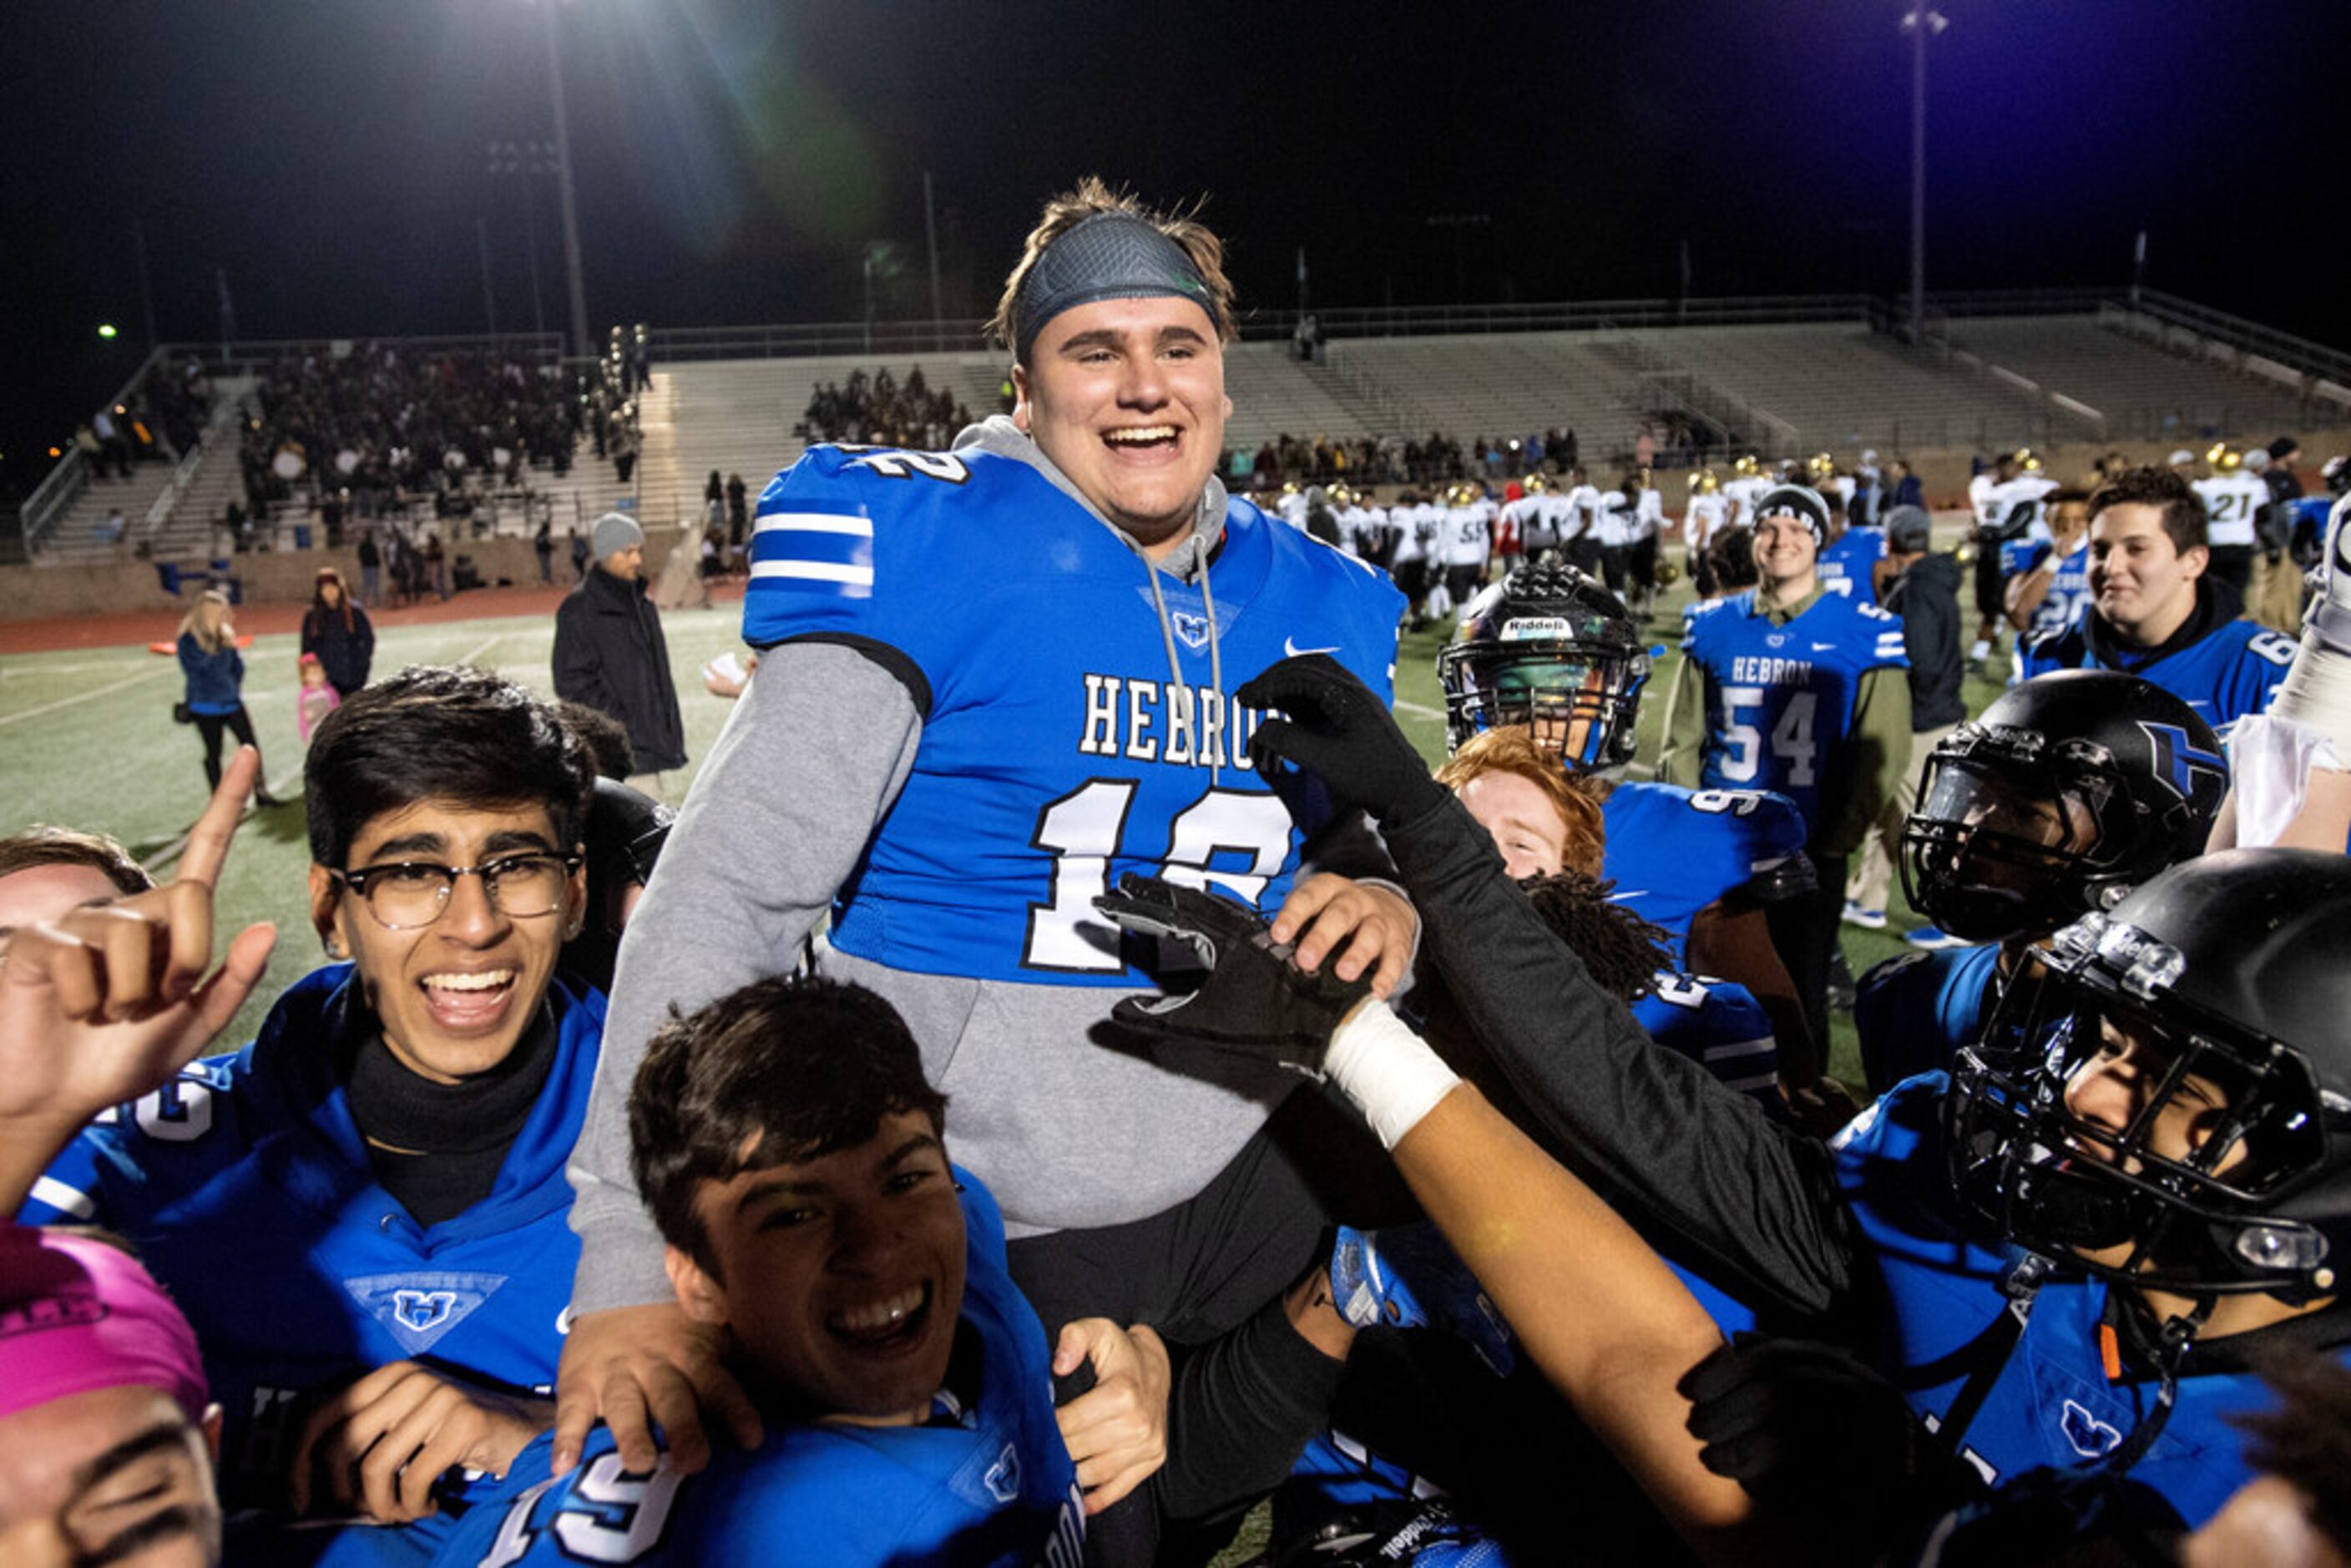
[606, 738]
[787, 1069]
[316, 616]
[1622, 952]
[2064, 496]
[439, 733]
[2306, 1440]
[1732, 554]
[2182, 508]
[41, 845]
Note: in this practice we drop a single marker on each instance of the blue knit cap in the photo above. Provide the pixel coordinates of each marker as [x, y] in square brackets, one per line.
[1109, 255]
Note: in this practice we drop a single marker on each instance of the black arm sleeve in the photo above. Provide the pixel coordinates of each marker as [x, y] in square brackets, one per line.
[1750, 1207]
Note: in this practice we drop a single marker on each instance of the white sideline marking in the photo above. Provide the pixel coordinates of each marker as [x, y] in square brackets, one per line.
[1419, 709]
[85, 696]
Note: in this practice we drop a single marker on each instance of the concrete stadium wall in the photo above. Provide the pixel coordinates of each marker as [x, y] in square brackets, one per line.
[267, 577]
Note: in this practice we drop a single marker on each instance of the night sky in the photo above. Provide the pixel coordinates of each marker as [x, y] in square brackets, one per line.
[735, 157]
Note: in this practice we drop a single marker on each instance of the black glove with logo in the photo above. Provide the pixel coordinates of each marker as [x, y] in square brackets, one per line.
[1339, 731]
[1255, 1001]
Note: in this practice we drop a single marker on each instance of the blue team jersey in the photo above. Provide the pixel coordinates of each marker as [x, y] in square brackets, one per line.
[1845, 567]
[1719, 1025]
[2067, 600]
[1780, 699]
[246, 1187]
[988, 1480]
[2052, 1403]
[1671, 851]
[2234, 672]
[1057, 752]
[1913, 1013]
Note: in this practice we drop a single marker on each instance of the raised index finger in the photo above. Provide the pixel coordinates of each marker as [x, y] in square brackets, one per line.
[209, 840]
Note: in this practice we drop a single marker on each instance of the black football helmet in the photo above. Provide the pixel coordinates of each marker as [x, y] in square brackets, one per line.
[2219, 993]
[1548, 648]
[2059, 799]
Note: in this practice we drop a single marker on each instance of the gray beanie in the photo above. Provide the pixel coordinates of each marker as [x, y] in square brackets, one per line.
[1909, 529]
[613, 534]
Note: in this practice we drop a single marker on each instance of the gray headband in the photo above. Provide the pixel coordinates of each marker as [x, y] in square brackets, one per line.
[1109, 255]
[1798, 501]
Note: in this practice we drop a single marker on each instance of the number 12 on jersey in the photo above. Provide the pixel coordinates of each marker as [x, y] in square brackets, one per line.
[1084, 829]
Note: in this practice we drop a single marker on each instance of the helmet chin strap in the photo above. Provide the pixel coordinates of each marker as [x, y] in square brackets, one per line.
[2178, 1334]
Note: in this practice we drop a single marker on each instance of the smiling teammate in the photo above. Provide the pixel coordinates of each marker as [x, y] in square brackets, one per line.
[362, 1212]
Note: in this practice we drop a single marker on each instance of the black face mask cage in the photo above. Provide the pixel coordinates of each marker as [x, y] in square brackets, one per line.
[2053, 1182]
[1967, 861]
[1481, 695]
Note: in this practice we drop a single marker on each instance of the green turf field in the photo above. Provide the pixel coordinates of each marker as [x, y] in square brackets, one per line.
[86, 740]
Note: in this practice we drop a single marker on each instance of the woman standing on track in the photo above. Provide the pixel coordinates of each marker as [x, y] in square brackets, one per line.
[215, 673]
[339, 631]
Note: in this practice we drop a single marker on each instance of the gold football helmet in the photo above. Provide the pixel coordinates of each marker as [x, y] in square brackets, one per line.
[2225, 458]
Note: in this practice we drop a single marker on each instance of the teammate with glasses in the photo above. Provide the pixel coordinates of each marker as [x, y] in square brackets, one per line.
[364, 1212]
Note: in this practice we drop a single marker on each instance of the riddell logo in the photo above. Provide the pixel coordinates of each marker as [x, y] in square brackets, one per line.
[71, 1307]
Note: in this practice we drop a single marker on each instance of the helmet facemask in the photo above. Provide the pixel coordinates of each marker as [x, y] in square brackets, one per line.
[1578, 699]
[2182, 1193]
[2012, 835]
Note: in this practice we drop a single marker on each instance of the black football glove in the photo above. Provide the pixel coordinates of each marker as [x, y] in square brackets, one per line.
[1337, 730]
[1811, 1429]
[1255, 1001]
[626, 830]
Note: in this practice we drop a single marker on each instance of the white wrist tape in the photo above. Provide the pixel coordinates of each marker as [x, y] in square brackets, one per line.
[2317, 690]
[1390, 1072]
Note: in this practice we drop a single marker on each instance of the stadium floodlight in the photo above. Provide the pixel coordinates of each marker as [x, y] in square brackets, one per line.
[1920, 25]
[106, 330]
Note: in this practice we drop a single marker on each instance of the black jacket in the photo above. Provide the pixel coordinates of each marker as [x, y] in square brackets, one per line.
[610, 653]
[1926, 596]
[345, 646]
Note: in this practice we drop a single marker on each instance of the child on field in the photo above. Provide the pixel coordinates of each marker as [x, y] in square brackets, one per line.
[317, 699]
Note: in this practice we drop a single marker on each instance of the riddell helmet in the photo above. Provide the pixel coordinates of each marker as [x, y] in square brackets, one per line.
[1704, 482]
[2058, 799]
[1550, 648]
[2225, 458]
[1748, 466]
[2216, 996]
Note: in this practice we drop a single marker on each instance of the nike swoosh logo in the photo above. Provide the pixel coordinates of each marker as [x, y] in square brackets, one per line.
[1619, 896]
[1824, 647]
[1290, 649]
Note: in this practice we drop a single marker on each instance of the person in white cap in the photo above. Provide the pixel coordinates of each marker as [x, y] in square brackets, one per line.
[609, 653]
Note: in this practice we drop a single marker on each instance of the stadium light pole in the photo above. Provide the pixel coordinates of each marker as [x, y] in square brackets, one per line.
[1919, 24]
[563, 184]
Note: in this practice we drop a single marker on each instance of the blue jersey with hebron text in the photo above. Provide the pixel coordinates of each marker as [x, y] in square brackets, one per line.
[1057, 750]
[2234, 671]
[1780, 698]
[1845, 565]
[1672, 851]
[2068, 599]
[986, 1481]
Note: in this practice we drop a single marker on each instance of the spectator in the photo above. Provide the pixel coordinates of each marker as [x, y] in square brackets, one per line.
[542, 545]
[371, 570]
[339, 632]
[580, 553]
[216, 674]
[609, 653]
[1923, 589]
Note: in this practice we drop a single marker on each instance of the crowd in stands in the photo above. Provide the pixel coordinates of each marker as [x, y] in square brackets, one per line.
[163, 418]
[880, 410]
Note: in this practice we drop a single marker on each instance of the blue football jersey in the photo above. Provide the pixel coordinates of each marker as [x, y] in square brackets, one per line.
[1058, 750]
[1913, 1013]
[246, 1187]
[1780, 698]
[986, 1481]
[1719, 1025]
[1846, 566]
[2068, 599]
[1671, 851]
[2234, 672]
[2052, 1401]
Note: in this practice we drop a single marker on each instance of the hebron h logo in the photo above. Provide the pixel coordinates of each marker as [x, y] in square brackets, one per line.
[1191, 627]
[1003, 1478]
[418, 1309]
[2179, 760]
[2090, 1437]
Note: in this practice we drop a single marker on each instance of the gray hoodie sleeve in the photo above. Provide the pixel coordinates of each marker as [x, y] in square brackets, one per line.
[812, 756]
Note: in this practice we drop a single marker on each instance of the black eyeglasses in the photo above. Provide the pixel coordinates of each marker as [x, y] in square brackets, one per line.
[406, 894]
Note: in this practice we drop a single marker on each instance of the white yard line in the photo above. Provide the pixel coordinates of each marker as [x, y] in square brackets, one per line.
[1418, 710]
[85, 696]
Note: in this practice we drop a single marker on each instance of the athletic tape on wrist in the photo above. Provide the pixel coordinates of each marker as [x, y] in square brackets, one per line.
[1390, 1072]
